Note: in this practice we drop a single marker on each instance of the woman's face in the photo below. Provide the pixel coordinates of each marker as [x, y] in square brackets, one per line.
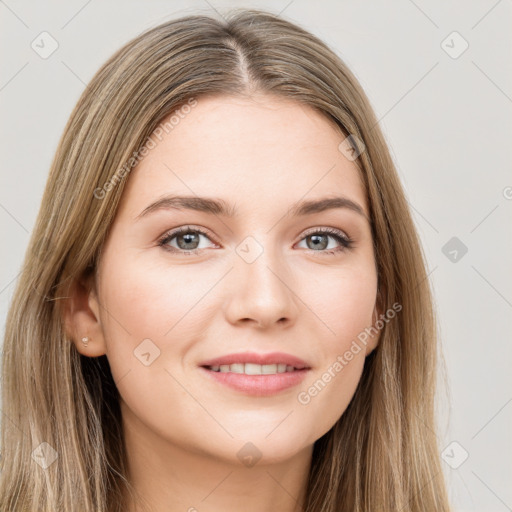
[265, 280]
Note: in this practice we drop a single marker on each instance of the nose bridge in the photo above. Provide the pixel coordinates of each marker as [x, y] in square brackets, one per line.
[262, 288]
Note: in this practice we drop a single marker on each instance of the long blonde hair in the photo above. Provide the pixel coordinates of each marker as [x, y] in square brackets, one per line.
[382, 454]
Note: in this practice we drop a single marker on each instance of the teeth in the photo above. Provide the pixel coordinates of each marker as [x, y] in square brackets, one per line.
[253, 369]
[236, 368]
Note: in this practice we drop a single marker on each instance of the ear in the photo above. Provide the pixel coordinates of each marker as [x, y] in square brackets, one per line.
[82, 317]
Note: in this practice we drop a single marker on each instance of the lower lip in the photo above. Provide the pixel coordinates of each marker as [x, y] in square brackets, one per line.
[258, 385]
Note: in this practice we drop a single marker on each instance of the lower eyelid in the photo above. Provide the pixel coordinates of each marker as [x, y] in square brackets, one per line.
[344, 240]
[164, 241]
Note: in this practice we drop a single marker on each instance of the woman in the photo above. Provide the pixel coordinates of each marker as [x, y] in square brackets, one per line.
[224, 305]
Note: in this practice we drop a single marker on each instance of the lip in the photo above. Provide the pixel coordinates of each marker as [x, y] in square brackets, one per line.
[257, 385]
[254, 357]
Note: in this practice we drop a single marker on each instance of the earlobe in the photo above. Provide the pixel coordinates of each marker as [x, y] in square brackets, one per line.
[82, 318]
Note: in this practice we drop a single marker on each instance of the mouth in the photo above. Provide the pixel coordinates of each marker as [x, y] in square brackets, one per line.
[253, 363]
[256, 374]
[253, 368]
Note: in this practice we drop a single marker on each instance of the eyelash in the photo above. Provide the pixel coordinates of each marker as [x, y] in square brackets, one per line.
[345, 241]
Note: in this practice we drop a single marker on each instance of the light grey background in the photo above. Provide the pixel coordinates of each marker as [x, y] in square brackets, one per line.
[447, 118]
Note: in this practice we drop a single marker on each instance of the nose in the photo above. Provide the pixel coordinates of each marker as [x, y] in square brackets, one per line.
[261, 293]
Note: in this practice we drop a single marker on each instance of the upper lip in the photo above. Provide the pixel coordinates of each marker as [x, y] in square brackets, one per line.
[253, 357]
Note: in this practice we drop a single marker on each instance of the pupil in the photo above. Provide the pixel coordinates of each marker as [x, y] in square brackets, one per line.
[189, 238]
[316, 244]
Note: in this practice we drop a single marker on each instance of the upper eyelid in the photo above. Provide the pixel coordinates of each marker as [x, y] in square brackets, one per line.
[188, 227]
[326, 230]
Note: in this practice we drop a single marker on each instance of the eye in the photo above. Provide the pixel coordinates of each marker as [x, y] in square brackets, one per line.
[319, 240]
[187, 240]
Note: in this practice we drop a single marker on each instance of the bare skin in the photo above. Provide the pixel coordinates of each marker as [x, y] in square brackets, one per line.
[183, 430]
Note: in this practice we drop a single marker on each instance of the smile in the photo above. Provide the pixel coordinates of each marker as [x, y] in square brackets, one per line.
[253, 369]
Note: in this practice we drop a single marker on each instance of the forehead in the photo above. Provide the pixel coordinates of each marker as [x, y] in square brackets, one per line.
[259, 152]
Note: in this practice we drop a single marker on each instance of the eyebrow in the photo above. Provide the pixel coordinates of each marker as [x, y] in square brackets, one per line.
[216, 206]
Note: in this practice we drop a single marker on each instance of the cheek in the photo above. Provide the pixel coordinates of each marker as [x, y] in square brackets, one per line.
[174, 306]
[345, 308]
[344, 300]
[149, 302]
[151, 299]
[150, 320]
[327, 394]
